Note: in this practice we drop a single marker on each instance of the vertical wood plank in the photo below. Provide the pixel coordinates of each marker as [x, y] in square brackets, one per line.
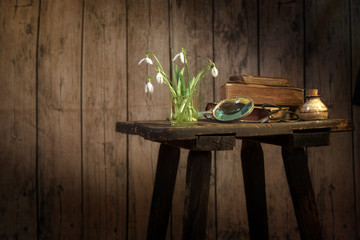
[281, 55]
[327, 49]
[148, 29]
[18, 37]
[191, 28]
[104, 103]
[235, 44]
[166, 170]
[302, 194]
[197, 195]
[59, 126]
[252, 162]
[355, 39]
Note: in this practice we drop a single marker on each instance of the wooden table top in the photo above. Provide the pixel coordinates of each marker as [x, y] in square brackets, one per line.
[161, 130]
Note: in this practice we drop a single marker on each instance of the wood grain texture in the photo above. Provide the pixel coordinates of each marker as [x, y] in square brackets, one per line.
[317, 138]
[59, 125]
[18, 36]
[206, 143]
[161, 130]
[191, 28]
[252, 162]
[235, 53]
[197, 195]
[327, 53]
[53, 115]
[280, 57]
[302, 194]
[148, 29]
[355, 56]
[166, 171]
[104, 102]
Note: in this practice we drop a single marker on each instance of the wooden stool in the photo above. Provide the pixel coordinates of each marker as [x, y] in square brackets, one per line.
[209, 136]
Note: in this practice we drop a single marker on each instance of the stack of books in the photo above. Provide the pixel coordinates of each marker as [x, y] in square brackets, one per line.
[264, 90]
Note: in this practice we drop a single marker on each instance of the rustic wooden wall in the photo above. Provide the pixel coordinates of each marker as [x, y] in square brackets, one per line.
[68, 72]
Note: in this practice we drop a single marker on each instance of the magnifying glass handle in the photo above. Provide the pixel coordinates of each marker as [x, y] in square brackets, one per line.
[206, 114]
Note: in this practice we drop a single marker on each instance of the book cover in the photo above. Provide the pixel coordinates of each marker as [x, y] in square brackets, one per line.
[261, 94]
[260, 80]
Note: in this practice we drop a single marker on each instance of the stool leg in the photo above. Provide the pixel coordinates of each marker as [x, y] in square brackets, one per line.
[196, 195]
[167, 166]
[302, 193]
[252, 160]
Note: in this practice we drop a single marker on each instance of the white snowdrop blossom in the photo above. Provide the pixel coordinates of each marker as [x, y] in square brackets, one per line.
[180, 82]
[214, 71]
[159, 78]
[181, 55]
[149, 88]
[147, 60]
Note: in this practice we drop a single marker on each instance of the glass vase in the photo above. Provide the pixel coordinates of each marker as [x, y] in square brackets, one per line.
[184, 109]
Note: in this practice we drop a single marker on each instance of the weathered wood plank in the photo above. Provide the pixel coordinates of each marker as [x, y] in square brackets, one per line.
[206, 143]
[327, 49]
[281, 55]
[252, 162]
[191, 29]
[302, 194]
[148, 29]
[162, 130]
[197, 195]
[166, 170]
[298, 139]
[59, 126]
[18, 36]
[104, 102]
[355, 40]
[235, 46]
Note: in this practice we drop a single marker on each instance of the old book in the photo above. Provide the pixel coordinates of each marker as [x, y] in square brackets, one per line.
[282, 96]
[260, 80]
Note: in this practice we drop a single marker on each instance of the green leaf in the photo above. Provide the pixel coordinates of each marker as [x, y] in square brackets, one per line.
[178, 90]
[182, 80]
[182, 85]
[192, 82]
[177, 74]
[174, 78]
[196, 79]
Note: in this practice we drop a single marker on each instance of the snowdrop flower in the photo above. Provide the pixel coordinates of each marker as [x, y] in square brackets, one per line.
[147, 60]
[182, 57]
[214, 71]
[159, 78]
[149, 88]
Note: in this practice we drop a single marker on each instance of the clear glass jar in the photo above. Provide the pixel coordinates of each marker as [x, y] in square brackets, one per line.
[184, 109]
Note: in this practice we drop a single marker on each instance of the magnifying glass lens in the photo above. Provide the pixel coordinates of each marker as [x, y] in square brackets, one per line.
[233, 108]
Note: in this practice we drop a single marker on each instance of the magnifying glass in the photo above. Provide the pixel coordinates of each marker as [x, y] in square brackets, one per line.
[230, 109]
